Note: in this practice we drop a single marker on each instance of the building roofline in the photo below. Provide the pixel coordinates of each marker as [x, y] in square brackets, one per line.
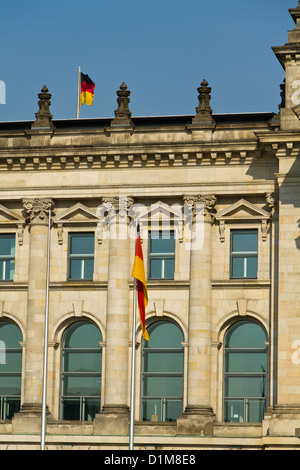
[143, 120]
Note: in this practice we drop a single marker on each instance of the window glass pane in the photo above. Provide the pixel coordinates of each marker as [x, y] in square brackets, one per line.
[7, 269]
[91, 406]
[256, 409]
[151, 407]
[75, 269]
[10, 334]
[169, 268]
[164, 335]
[81, 268]
[162, 242]
[7, 244]
[82, 361]
[71, 408]
[173, 408]
[245, 386]
[162, 386]
[245, 335]
[238, 361]
[10, 361]
[10, 407]
[82, 335]
[252, 267]
[244, 240]
[237, 267]
[10, 384]
[234, 411]
[83, 385]
[155, 268]
[160, 361]
[82, 243]
[10, 270]
[88, 268]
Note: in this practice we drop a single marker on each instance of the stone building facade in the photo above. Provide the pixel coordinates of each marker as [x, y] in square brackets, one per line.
[223, 367]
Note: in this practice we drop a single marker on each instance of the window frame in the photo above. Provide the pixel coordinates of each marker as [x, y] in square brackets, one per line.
[161, 256]
[82, 256]
[8, 258]
[163, 400]
[245, 255]
[244, 374]
[80, 398]
[7, 398]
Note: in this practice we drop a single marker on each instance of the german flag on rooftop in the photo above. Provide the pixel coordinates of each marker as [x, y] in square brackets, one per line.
[86, 90]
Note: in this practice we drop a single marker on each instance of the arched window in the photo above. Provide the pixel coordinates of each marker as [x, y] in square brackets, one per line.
[10, 369]
[162, 373]
[245, 373]
[81, 372]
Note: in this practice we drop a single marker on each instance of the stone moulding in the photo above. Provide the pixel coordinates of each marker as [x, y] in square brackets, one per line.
[71, 161]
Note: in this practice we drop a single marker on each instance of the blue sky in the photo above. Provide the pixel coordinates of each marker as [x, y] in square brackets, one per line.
[162, 49]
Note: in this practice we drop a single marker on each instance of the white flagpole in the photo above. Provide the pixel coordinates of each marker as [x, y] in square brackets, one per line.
[78, 92]
[44, 399]
[132, 393]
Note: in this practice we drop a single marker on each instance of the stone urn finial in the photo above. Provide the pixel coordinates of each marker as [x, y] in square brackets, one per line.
[122, 114]
[43, 116]
[204, 111]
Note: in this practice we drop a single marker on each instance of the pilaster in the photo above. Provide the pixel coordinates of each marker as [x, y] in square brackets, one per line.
[114, 416]
[31, 408]
[198, 415]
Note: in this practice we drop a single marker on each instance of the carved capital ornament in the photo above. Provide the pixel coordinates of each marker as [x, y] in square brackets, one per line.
[38, 210]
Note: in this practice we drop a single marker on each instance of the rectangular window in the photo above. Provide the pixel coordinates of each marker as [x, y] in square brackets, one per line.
[81, 256]
[7, 256]
[244, 248]
[162, 255]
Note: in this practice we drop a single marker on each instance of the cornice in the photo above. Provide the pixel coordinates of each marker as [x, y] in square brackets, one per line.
[91, 158]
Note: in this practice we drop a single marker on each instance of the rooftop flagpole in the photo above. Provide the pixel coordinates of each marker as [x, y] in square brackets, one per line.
[44, 398]
[132, 392]
[78, 93]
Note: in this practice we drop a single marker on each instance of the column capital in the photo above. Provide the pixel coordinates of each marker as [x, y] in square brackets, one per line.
[119, 204]
[38, 210]
[208, 201]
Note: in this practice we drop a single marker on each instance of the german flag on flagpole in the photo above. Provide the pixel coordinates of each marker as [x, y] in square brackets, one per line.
[138, 272]
[86, 90]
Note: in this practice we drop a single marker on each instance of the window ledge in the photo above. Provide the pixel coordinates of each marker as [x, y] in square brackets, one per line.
[241, 283]
[165, 284]
[78, 285]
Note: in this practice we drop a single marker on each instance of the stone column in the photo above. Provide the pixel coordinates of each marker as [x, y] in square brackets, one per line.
[198, 415]
[38, 212]
[114, 418]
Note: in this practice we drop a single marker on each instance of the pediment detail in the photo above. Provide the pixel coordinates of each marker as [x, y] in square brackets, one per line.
[77, 214]
[160, 211]
[161, 215]
[243, 211]
[9, 217]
